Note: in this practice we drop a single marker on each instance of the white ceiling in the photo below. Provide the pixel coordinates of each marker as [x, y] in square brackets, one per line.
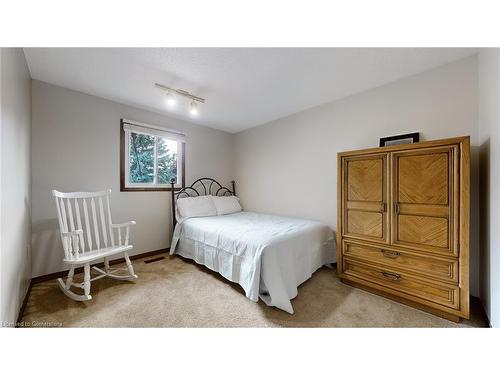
[243, 87]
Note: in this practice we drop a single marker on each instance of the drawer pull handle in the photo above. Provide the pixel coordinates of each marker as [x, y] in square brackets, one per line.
[391, 276]
[390, 254]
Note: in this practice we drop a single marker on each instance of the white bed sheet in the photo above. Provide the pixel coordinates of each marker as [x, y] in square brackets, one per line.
[269, 256]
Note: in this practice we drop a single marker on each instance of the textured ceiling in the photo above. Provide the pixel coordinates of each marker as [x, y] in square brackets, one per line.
[243, 87]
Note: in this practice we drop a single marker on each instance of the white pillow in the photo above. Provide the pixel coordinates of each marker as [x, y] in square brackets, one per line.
[196, 206]
[227, 205]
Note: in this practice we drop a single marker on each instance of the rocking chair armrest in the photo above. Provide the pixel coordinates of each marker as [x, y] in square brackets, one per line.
[121, 225]
[75, 232]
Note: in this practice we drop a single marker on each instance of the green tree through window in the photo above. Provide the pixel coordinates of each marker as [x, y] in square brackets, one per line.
[142, 159]
[167, 160]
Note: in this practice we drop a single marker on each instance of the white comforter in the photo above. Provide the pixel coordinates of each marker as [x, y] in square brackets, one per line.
[269, 256]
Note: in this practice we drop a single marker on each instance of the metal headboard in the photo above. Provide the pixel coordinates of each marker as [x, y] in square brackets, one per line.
[202, 186]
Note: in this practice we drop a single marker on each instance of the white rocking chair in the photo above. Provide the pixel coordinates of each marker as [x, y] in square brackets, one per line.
[82, 243]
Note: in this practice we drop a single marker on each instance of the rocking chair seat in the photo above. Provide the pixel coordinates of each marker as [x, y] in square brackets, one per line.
[96, 254]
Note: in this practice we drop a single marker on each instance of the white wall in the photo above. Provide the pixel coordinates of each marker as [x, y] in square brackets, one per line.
[76, 147]
[489, 141]
[288, 166]
[15, 182]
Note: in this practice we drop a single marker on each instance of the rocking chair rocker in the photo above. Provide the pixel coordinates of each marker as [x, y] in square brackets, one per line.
[77, 239]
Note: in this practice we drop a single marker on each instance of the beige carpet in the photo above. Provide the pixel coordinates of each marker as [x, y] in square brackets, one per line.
[179, 293]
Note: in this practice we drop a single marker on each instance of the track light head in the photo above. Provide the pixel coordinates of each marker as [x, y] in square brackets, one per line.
[170, 99]
[193, 110]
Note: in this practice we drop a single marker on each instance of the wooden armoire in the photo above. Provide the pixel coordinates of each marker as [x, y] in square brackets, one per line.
[403, 223]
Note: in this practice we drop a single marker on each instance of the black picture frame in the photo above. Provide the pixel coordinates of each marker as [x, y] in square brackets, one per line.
[399, 139]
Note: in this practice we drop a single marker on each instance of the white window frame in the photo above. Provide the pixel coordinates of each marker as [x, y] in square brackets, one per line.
[130, 127]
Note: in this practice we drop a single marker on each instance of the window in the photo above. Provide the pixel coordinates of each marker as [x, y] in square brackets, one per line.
[150, 157]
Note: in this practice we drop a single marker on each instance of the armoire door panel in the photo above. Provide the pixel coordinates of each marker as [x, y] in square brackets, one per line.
[364, 182]
[423, 183]
[365, 197]
[365, 223]
[423, 179]
[425, 230]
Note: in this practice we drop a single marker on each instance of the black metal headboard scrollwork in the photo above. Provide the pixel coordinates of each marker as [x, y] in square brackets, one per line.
[202, 186]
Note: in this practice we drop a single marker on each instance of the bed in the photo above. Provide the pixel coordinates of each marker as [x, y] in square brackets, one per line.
[269, 256]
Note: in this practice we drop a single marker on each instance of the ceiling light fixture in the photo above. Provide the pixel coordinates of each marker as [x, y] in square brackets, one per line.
[171, 98]
[194, 109]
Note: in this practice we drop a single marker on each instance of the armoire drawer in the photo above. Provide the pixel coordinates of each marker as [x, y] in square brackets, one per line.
[439, 268]
[446, 295]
